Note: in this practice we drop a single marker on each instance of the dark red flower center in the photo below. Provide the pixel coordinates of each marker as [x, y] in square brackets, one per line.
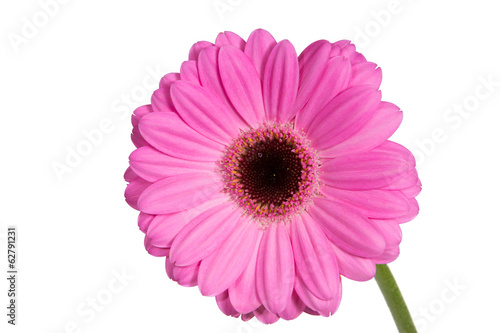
[271, 172]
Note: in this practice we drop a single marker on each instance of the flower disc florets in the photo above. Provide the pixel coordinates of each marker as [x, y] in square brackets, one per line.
[271, 172]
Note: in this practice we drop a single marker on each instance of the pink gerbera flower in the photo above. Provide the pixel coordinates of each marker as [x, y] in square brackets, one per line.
[263, 177]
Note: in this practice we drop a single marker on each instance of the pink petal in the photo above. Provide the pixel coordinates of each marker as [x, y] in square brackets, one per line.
[230, 38]
[242, 84]
[205, 113]
[280, 82]
[349, 111]
[323, 307]
[134, 190]
[366, 73]
[344, 48]
[208, 67]
[243, 292]
[407, 182]
[334, 80]
[311, 311]
[413, 191]
[186, 276]
[357, 58]
[354, 267]
[220, 270]
[168, 133]
[347, 228]
[390, 230]
[137, 138]
[161, 101]
[265, 316]
[341, 43]
[348, 50]
[363, 171]
[144, 220]
[372, 203]
[312, 64]
[390, 254]
[225, 305]
[414, 209]
[377, 130]
[336, 51]
[153, 250]
[139, 113]
[247, 316]
[275, 268]
[129, 175]
[169, 268]
[259, 45]
[197, 47]
[294, 308]
[152, 165]
[397, 150]
[314, 257]
[204, 234]
[175, 194]
[167, 80]
[164, 228]
[189, 72]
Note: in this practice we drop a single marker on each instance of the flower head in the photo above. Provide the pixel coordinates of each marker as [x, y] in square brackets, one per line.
[263, 177]
[271, 172]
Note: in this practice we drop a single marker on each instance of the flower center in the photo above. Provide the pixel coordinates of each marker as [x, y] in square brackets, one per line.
[271, 172]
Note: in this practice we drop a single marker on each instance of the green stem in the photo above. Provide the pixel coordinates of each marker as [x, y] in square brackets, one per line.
[394, 299]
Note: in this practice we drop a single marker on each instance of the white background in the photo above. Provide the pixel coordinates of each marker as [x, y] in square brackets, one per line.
[82, 65]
